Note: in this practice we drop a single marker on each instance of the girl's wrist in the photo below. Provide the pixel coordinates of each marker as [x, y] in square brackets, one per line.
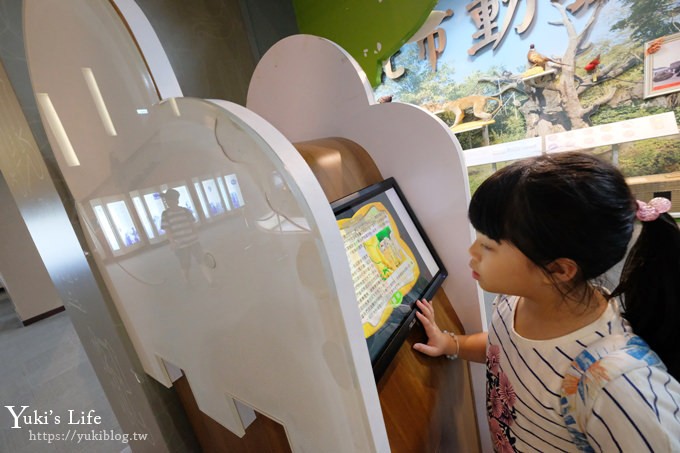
[456, 345]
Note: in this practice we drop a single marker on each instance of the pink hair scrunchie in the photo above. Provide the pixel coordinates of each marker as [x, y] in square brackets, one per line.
[648, 212]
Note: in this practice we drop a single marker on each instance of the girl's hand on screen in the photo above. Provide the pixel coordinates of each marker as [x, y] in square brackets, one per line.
[437, 340]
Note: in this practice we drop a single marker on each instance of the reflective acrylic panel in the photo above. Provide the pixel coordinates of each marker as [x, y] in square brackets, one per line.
[206, 232]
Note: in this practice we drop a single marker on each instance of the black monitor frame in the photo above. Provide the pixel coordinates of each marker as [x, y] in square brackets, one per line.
[356, 200]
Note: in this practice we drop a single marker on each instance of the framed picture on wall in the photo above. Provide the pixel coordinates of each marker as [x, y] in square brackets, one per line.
[662, 65]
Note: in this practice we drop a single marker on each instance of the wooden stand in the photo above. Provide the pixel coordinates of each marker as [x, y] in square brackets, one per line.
[263, 435]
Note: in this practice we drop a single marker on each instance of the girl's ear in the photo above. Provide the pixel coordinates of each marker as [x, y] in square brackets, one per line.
[563, 269]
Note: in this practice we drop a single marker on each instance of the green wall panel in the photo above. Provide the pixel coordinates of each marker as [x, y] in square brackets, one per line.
[370, 31]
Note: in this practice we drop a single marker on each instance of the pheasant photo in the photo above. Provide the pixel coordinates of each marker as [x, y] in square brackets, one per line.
[538, 60]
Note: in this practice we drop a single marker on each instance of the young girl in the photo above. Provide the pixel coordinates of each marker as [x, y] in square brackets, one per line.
[546, 228]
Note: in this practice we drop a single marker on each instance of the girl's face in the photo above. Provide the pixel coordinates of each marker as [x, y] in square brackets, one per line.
[502, 268]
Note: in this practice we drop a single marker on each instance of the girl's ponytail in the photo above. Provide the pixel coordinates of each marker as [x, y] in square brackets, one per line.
[650, 286]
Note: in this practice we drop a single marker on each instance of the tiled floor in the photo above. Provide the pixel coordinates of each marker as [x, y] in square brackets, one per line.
[8, 318]
[44, 366]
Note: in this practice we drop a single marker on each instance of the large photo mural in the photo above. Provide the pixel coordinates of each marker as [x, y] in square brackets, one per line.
[502, 71]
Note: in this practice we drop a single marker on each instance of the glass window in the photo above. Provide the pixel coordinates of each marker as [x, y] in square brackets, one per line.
[212, 196]
[143, 215]
[223, 191]
[201, 198]
[125, 226]
[236, 197]
[155, 205]
[106, 226]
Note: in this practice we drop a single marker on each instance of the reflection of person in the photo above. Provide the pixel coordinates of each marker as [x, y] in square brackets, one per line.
[180, 226]
[547, 227]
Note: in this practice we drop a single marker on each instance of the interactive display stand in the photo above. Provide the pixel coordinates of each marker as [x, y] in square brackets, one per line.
[243, 282]
[321, 93]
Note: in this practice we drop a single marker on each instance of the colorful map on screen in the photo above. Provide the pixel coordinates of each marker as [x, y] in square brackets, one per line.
[383, 266]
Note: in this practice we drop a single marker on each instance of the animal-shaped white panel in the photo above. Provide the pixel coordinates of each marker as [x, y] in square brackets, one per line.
[308, 88]
[205, 225]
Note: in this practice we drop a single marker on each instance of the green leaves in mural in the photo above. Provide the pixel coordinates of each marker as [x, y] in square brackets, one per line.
[369, 30]
[648, 19]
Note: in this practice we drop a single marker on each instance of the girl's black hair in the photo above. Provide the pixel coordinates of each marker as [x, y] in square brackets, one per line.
[574, 205]
[650, 289]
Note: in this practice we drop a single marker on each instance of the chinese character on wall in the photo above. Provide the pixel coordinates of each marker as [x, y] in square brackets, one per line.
[484, 14]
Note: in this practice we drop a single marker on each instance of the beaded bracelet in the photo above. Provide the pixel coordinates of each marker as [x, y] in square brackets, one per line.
[455, 338]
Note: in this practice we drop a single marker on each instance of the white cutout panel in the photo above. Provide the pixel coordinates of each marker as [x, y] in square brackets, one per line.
[320, 92]
[254, 303]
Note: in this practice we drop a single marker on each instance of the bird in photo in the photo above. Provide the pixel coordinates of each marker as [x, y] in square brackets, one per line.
[591, 68]
[537, 59]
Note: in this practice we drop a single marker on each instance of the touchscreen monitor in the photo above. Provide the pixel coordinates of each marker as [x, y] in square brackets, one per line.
[393, 264]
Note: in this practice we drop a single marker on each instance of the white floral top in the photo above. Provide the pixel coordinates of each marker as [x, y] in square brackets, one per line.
[637, 411]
